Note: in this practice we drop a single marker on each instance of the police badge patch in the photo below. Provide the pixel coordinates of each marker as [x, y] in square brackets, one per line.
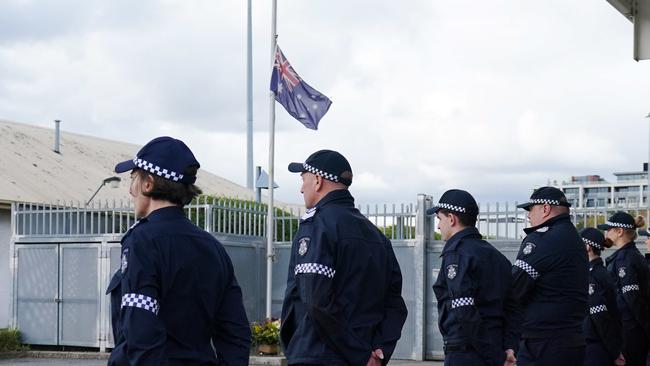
[125, 260]
[303, 245]
[451, 271]
[529, 248]
[591, 288]
[621, 272]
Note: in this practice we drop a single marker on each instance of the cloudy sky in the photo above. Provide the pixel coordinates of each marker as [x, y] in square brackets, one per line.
[491, 96]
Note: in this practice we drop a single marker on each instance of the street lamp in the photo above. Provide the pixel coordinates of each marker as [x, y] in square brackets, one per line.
[113, 181]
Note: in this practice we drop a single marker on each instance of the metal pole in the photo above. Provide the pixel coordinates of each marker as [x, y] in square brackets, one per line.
[269, 230]
[647, 170]
[249, 100]
[258, 190]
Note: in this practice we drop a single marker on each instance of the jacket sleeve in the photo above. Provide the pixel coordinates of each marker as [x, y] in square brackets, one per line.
[603, 313]
[528, 267]
[389, 331]
[232, 336]
[513, 320]
[291, 298]
[143, 331]
[629, 285]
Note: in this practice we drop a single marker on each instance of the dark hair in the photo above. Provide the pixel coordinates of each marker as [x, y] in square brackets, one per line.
[465, 219]
[607, 243]
[175, 192]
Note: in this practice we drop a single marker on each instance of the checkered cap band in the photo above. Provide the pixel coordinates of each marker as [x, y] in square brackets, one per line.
[155, 169]
[451, 207]
[532, 272]
[592, 243]
[629, 288]
[597, 309]
[544, 201]
[619, 224]
[462, 301]
[324, 174]
[141, 301]
[316, 268]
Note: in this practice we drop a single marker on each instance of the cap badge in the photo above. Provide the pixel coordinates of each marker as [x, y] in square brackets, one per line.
[591, 288]
[621, 272]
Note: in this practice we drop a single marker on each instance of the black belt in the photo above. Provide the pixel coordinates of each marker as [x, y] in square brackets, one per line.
[457, 348]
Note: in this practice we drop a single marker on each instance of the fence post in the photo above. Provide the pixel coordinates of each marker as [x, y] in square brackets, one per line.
[423, 235]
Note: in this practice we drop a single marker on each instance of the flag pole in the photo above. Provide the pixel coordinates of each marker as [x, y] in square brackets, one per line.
[249, 98]
[270, 221]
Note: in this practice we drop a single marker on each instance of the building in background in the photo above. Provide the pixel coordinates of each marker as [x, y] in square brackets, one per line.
[629, 190]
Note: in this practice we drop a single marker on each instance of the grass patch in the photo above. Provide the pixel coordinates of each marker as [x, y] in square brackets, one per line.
[10, 340]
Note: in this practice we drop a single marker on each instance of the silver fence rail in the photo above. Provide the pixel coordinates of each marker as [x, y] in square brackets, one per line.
[215, 215]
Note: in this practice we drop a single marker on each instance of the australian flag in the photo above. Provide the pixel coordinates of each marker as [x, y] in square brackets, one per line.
[303, 102]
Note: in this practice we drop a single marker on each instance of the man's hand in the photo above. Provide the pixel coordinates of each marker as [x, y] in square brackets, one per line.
[510, 358]
[620, 361]
[376, 358]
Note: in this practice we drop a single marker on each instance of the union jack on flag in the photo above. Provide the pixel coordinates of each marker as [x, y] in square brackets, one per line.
[303, 102]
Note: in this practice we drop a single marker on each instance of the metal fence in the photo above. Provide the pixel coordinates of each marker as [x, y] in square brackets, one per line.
[63, 255]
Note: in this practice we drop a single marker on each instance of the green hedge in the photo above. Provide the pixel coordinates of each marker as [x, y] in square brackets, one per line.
[10, 340]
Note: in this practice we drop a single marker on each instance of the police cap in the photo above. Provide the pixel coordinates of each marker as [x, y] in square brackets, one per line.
[546, 196]
[165, 157]
[593, 237]
[328, 164]
[619, 219]
[456, 200]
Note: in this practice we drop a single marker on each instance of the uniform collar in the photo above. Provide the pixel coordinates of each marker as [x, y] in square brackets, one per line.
[452, 243]
[339, 196]
[166, 213]
[550, 222]
[595, 262]
[620, 251]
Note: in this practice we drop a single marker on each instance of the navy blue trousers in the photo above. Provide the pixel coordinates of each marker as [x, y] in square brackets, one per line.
[635, 347]
[549, 352]
[473, 358]
[597, 355]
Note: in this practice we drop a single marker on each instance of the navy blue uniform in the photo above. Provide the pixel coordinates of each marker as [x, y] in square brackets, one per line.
[602, 327]
[343, 297]
[477, 319]
[177, 296]
[551, 278]
[628, 268]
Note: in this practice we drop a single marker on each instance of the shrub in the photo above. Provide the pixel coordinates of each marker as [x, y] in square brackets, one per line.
[266, 332]
[10, 340]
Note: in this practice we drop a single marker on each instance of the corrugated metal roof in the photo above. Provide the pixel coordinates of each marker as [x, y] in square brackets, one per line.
[31, 171]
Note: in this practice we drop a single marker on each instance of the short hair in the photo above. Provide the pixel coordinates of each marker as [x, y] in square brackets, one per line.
[465, 219]
[164, 189]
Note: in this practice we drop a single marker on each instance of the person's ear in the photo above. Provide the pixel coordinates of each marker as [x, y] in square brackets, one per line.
[147, 184]
[318, 181]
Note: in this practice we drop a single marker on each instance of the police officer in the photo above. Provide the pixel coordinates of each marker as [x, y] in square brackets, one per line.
[477, 319]
[343, 302]
[627, 266]
[602, 327]
[179, 301]
[551, 277]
